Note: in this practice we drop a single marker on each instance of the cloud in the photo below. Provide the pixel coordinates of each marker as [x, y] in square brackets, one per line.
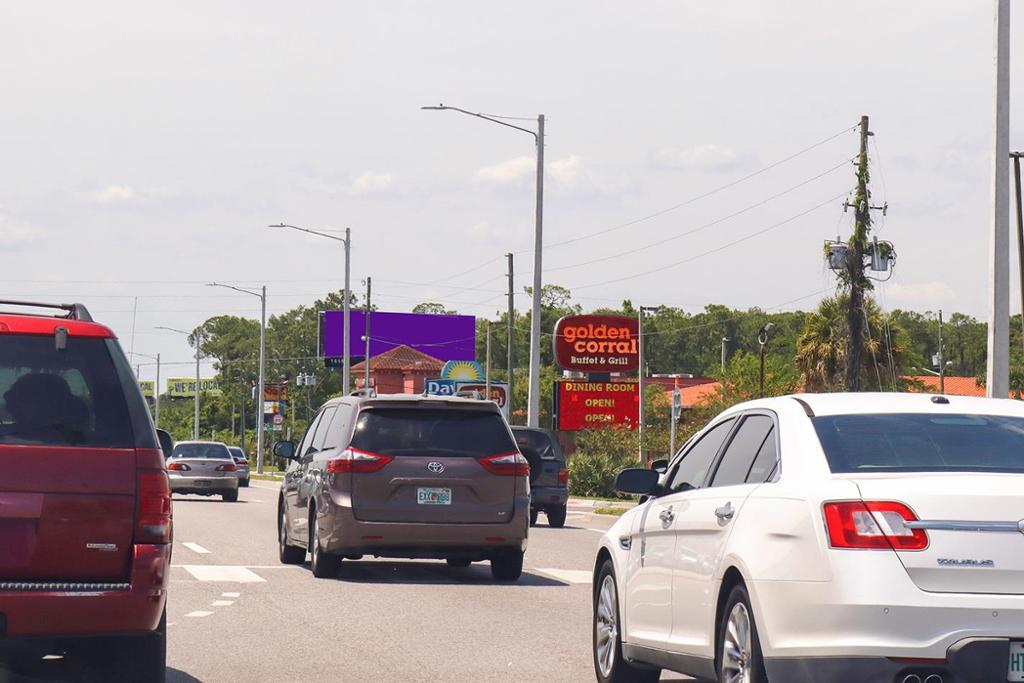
[365, 184]
[920, 295]
[707, 157]
[113, 194]
[568, 176]
[17, 234]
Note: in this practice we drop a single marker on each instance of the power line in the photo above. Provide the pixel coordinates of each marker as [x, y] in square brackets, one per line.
[704, 226]
[697, 198]
[716, 249]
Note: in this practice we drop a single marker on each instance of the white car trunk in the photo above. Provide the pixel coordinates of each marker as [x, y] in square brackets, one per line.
[975, 545]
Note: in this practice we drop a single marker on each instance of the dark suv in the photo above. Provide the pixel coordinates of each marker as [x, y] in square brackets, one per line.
[405, 476]
[549, 478]
[85, 505]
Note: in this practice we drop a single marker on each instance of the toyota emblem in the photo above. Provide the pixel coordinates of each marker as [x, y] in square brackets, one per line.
[435, 467]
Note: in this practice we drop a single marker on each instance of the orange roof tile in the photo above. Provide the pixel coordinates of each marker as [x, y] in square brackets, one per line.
[402, 358]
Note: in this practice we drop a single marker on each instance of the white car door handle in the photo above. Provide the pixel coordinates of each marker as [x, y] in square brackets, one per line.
[725, 512]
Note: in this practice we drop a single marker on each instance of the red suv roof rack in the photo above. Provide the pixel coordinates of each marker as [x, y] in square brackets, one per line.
[72, 311]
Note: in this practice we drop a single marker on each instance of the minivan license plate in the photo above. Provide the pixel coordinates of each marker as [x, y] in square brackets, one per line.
[435, 496]
[1016, 669]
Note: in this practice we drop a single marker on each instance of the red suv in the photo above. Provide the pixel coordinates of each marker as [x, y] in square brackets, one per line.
[85, 504]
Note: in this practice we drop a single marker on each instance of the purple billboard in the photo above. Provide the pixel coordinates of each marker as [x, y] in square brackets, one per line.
[447, 337]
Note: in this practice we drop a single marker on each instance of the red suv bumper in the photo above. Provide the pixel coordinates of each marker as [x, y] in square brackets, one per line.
[135, 608]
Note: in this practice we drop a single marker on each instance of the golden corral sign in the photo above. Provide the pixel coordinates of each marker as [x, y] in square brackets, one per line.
[184, 387]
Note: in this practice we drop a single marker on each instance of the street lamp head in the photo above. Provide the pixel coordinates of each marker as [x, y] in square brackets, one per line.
[439, 107]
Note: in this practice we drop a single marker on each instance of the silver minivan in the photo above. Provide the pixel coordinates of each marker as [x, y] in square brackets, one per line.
[405, 476]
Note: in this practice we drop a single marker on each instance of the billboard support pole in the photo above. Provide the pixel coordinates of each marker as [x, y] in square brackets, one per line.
[487, 369]
[366, 362]
[640, 382]
[511, 338]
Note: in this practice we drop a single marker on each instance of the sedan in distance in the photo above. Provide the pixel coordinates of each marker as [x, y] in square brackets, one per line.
[205, 468]
[831, 538]
[241, 465]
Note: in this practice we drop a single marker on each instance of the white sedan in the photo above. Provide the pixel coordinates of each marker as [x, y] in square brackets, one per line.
[823, 539]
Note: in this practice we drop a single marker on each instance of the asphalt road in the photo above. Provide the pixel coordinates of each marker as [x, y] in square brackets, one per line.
[236, 614]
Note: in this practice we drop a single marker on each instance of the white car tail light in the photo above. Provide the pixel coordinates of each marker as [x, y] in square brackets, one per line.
[872, 525]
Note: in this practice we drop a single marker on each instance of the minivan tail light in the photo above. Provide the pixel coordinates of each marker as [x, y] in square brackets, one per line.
[241, 461]
[873, 525]
[506, 465]
[230, 467]
[360, 462]
[179, 467]
[154, 507]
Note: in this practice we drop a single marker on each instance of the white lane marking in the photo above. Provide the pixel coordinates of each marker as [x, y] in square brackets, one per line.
[272, 566]
[253, 500]
[230, 595]
[598, 531]
[222, 603]
[196, 548]
[568, 575]
[171, 623]
[228, 573]
[199, 613]
[271, 487]
[51, 658]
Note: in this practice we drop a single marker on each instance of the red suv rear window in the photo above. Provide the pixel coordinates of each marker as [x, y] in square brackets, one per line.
[68, 397]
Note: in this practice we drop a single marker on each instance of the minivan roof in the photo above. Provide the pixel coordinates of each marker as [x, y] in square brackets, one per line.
[411, 398]
[13, 323]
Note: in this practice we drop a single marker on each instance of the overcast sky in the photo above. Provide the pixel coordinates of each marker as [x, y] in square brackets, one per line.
[143, 149]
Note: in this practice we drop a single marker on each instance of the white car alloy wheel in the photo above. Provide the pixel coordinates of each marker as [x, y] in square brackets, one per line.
[736, 646]
[606, 627]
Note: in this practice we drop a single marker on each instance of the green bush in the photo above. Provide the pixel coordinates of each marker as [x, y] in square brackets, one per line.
[593, 474]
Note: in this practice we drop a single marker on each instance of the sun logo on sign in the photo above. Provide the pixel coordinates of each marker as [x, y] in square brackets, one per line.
[463, 370]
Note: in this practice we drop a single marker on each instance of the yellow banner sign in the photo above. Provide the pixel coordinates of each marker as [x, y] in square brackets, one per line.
[184, 387]
[147, 386]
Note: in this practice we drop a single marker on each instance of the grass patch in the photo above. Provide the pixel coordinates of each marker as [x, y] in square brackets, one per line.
[614, 511]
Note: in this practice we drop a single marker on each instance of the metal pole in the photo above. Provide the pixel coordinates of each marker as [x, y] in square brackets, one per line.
[263, 334]
[533, 411]
[998, 365]
[156, 391]
[640, 381]
[195, 421]
[1020, 232]
[761, 376]
[673, 417]
[725, 340]
[511, 338]
[942, 359]
[366, 362]
[346, 372]
[487, 370]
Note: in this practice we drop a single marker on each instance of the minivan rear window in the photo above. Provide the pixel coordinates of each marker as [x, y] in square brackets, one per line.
[922, 443]
[68, 397]
[432, 432]
[200, 450]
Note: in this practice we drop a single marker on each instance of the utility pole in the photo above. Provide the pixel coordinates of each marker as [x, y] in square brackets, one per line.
[942, 359]
[487, 370]
[195, 424]
[998, 365]
[346, 369]
[262, 382]
[533, 411]
[366, 337]
[1020, 231]
[641, 373]
[855, 264]
[511, 337]
[725, 340]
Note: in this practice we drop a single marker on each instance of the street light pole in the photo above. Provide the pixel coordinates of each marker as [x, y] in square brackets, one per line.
[533, 397]
[156, 388]
[641, 372]
[762, 340]
[195, 333]
[998, 364]
[262, 294]
[347, 240]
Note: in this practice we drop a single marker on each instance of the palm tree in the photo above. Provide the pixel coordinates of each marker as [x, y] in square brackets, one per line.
[821, 347]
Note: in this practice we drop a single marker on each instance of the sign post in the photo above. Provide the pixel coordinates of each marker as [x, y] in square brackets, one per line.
[677, 408]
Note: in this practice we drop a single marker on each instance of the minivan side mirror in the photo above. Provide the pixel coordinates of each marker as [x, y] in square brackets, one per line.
[285, 449]
[637, 481]
[660, 466]
[166, 442]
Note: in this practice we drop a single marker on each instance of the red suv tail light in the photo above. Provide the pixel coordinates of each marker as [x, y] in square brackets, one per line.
[506, 465]
[358, 461]
[563, 476]
[154, 508]
[873, 525]
[230, 467]
[179, 467]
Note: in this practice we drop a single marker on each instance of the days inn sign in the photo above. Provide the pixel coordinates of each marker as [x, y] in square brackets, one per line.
[597, 343]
